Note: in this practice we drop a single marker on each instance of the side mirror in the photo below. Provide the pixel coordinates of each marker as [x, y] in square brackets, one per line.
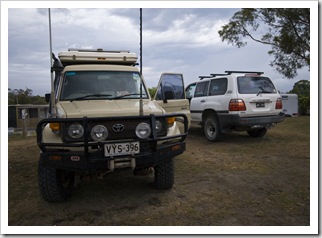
[168, 95]
[47, 97]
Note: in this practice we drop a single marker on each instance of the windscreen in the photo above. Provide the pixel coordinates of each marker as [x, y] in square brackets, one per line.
[81, 85]
[255, 85]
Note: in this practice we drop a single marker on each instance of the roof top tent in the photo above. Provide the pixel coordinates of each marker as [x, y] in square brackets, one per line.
[99, 56]
[290, 104]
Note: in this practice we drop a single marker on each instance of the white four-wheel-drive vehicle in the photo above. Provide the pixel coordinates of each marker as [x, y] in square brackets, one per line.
[103, 119]
[236, 100]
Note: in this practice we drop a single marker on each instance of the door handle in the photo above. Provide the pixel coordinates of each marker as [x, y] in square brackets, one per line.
[183, 108]
[203, 100]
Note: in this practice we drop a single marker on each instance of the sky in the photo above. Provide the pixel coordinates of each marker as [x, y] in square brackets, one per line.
[181, 40]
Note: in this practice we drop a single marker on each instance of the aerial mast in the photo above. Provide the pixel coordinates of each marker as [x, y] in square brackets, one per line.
[141, 101]
[52, 94]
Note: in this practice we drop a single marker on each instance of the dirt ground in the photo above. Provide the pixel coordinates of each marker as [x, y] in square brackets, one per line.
[240, 181]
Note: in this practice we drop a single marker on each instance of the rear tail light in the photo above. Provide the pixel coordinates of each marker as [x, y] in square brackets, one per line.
[237, 105]
[279, 104]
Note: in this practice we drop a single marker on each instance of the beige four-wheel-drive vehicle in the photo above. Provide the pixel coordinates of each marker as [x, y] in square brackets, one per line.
[103, 119]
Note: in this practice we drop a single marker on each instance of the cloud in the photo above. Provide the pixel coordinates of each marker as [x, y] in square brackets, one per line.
[181, 40]
[183, 27]
[97, 28]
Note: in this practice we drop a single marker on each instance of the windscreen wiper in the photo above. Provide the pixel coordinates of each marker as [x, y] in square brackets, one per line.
[91, 95]
[129, 94]
[263, 91]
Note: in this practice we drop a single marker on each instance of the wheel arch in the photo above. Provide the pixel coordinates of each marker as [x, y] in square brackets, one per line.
[208, 112]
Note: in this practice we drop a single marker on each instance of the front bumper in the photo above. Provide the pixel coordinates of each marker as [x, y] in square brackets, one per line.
[89, 155]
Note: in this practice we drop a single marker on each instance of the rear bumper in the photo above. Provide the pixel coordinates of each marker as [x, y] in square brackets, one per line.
[229, 120]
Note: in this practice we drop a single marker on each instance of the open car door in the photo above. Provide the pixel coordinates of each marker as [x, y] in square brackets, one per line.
[170, 94]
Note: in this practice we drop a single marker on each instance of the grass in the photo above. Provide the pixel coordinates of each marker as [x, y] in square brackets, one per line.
[238, 181]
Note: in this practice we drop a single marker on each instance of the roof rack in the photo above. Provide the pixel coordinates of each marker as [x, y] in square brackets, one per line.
[97, 56]
[204, 77]
[98, 50]
[211, 76]
[250, 72]
[214, 75]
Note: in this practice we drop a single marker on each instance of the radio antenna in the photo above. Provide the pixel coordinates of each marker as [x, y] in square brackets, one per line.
[141, 73]
[52, 95]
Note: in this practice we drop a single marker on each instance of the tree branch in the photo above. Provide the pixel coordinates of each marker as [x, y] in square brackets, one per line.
[259, 41]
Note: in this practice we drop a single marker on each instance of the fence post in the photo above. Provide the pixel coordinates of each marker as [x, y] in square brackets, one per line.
[24, 114]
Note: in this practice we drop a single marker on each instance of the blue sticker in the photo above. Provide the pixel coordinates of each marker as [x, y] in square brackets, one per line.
[70, 73]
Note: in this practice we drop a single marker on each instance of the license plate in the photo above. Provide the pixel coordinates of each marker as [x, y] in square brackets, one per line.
[260, 104]
[122, 149]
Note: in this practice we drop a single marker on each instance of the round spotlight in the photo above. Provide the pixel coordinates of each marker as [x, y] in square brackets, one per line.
[143, 130]
[76, 131]
[99, 133]
[158, 126]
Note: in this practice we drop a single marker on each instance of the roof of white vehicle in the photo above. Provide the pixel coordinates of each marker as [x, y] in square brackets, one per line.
[228, 73]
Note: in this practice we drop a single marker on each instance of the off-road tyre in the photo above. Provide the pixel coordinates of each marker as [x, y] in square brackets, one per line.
[164, 174]
[257, 132]
[211, 128]
[55, 185]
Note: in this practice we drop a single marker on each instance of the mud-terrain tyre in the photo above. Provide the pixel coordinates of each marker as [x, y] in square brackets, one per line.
[211, 128]
[164, 174]
[55, 185]
[257, 132]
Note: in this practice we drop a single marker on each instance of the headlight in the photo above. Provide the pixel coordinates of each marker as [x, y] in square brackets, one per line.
[158, 126]
[99, 133]
[143, 130]
[76, 131]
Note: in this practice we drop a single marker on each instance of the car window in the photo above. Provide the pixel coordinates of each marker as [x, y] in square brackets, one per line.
[255, 85]
[201, 89]
[101, 85]
[172, 84]
[218, 86]
[190, 91]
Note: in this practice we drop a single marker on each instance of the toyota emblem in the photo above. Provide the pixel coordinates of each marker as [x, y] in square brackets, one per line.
[118, 127]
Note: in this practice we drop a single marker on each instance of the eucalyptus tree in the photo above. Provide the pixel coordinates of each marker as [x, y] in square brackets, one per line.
[286, 30]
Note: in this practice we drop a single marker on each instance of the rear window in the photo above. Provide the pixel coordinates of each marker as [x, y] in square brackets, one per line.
[255, 85]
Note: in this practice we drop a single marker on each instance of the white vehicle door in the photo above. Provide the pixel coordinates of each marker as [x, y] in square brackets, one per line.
[198, 102]
[170, 94]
